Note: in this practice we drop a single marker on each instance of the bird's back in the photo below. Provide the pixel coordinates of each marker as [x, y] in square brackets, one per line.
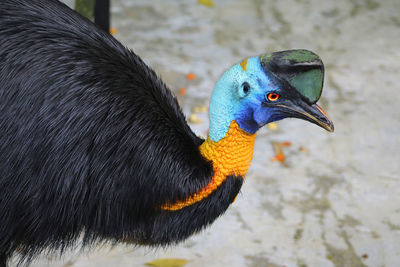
[90, 138]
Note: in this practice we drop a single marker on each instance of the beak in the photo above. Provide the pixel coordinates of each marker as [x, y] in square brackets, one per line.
[312, 113]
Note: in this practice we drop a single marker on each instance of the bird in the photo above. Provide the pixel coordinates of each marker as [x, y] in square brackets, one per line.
[94, 147]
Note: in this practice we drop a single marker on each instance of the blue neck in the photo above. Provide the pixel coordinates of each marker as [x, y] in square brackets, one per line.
[225, 103]
[222, 108]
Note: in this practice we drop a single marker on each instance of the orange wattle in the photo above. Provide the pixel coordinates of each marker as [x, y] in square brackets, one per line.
[230, 156]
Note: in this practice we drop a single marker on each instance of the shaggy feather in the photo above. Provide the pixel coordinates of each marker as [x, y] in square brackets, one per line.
[92, 141]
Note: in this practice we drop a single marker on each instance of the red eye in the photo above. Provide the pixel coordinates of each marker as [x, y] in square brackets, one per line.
[273, 96]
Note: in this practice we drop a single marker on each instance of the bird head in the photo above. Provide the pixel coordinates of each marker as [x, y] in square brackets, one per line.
[267, 88]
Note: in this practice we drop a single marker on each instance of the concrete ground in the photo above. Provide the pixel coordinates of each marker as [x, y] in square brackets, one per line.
[337, 202]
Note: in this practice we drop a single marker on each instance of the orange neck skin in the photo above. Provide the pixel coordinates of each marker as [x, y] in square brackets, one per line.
[230, 156]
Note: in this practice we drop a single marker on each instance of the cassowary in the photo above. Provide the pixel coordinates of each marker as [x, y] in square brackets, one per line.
[94, 145]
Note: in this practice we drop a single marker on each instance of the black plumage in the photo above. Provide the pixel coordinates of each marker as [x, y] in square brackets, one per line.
[91, 140]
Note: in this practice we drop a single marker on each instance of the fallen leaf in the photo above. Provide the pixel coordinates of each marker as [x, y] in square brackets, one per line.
[287, 143]
[194, 119]
[182, 91]
[171, 262]
[303, 149]
[113, 30]
[202, 108]
[279, 155]
[235, 199]
[208, 3]
[273, 126]
[68, 263]
[277, 148]
[191, 76]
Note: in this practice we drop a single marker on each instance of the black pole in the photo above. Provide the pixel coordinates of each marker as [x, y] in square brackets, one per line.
[102, 14]
[3, 261]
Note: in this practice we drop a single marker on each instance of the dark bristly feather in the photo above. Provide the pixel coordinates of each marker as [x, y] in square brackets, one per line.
[91, 140]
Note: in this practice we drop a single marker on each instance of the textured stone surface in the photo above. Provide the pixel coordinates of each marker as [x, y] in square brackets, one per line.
[337, 204]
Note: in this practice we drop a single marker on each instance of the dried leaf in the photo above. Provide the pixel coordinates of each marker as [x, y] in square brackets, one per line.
[273, 126]
[182, 91]
[286, 143]
[202, 108]
[279, 155]
[69, 263]
[194, 119]
[208, 3]
[113, 30]
[170, 262]
[277, 148]
[303, 149]
[191, 76]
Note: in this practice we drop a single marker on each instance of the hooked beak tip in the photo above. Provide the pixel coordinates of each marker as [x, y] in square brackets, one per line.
[324, 120]
[330, 128]
[312, 113]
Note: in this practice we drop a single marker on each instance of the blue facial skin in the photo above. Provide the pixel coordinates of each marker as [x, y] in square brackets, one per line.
[230, 101]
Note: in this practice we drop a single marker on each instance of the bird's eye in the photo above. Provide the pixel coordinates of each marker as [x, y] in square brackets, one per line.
[273, 97]
[246, 87]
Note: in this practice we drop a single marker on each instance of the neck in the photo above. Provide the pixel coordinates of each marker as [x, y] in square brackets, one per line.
[223, 106]
[230, 155]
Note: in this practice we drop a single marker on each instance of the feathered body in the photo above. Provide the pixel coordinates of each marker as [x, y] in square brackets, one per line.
[92, 141]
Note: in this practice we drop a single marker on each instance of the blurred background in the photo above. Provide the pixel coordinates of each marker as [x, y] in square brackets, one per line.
[333, 199]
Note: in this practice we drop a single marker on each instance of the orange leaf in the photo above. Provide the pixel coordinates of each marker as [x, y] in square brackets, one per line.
[191, 76]
[182, 91]
[280, 157]
[287, 143]
[113, 30]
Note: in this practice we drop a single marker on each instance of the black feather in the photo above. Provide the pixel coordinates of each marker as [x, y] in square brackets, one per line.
[91, 140]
